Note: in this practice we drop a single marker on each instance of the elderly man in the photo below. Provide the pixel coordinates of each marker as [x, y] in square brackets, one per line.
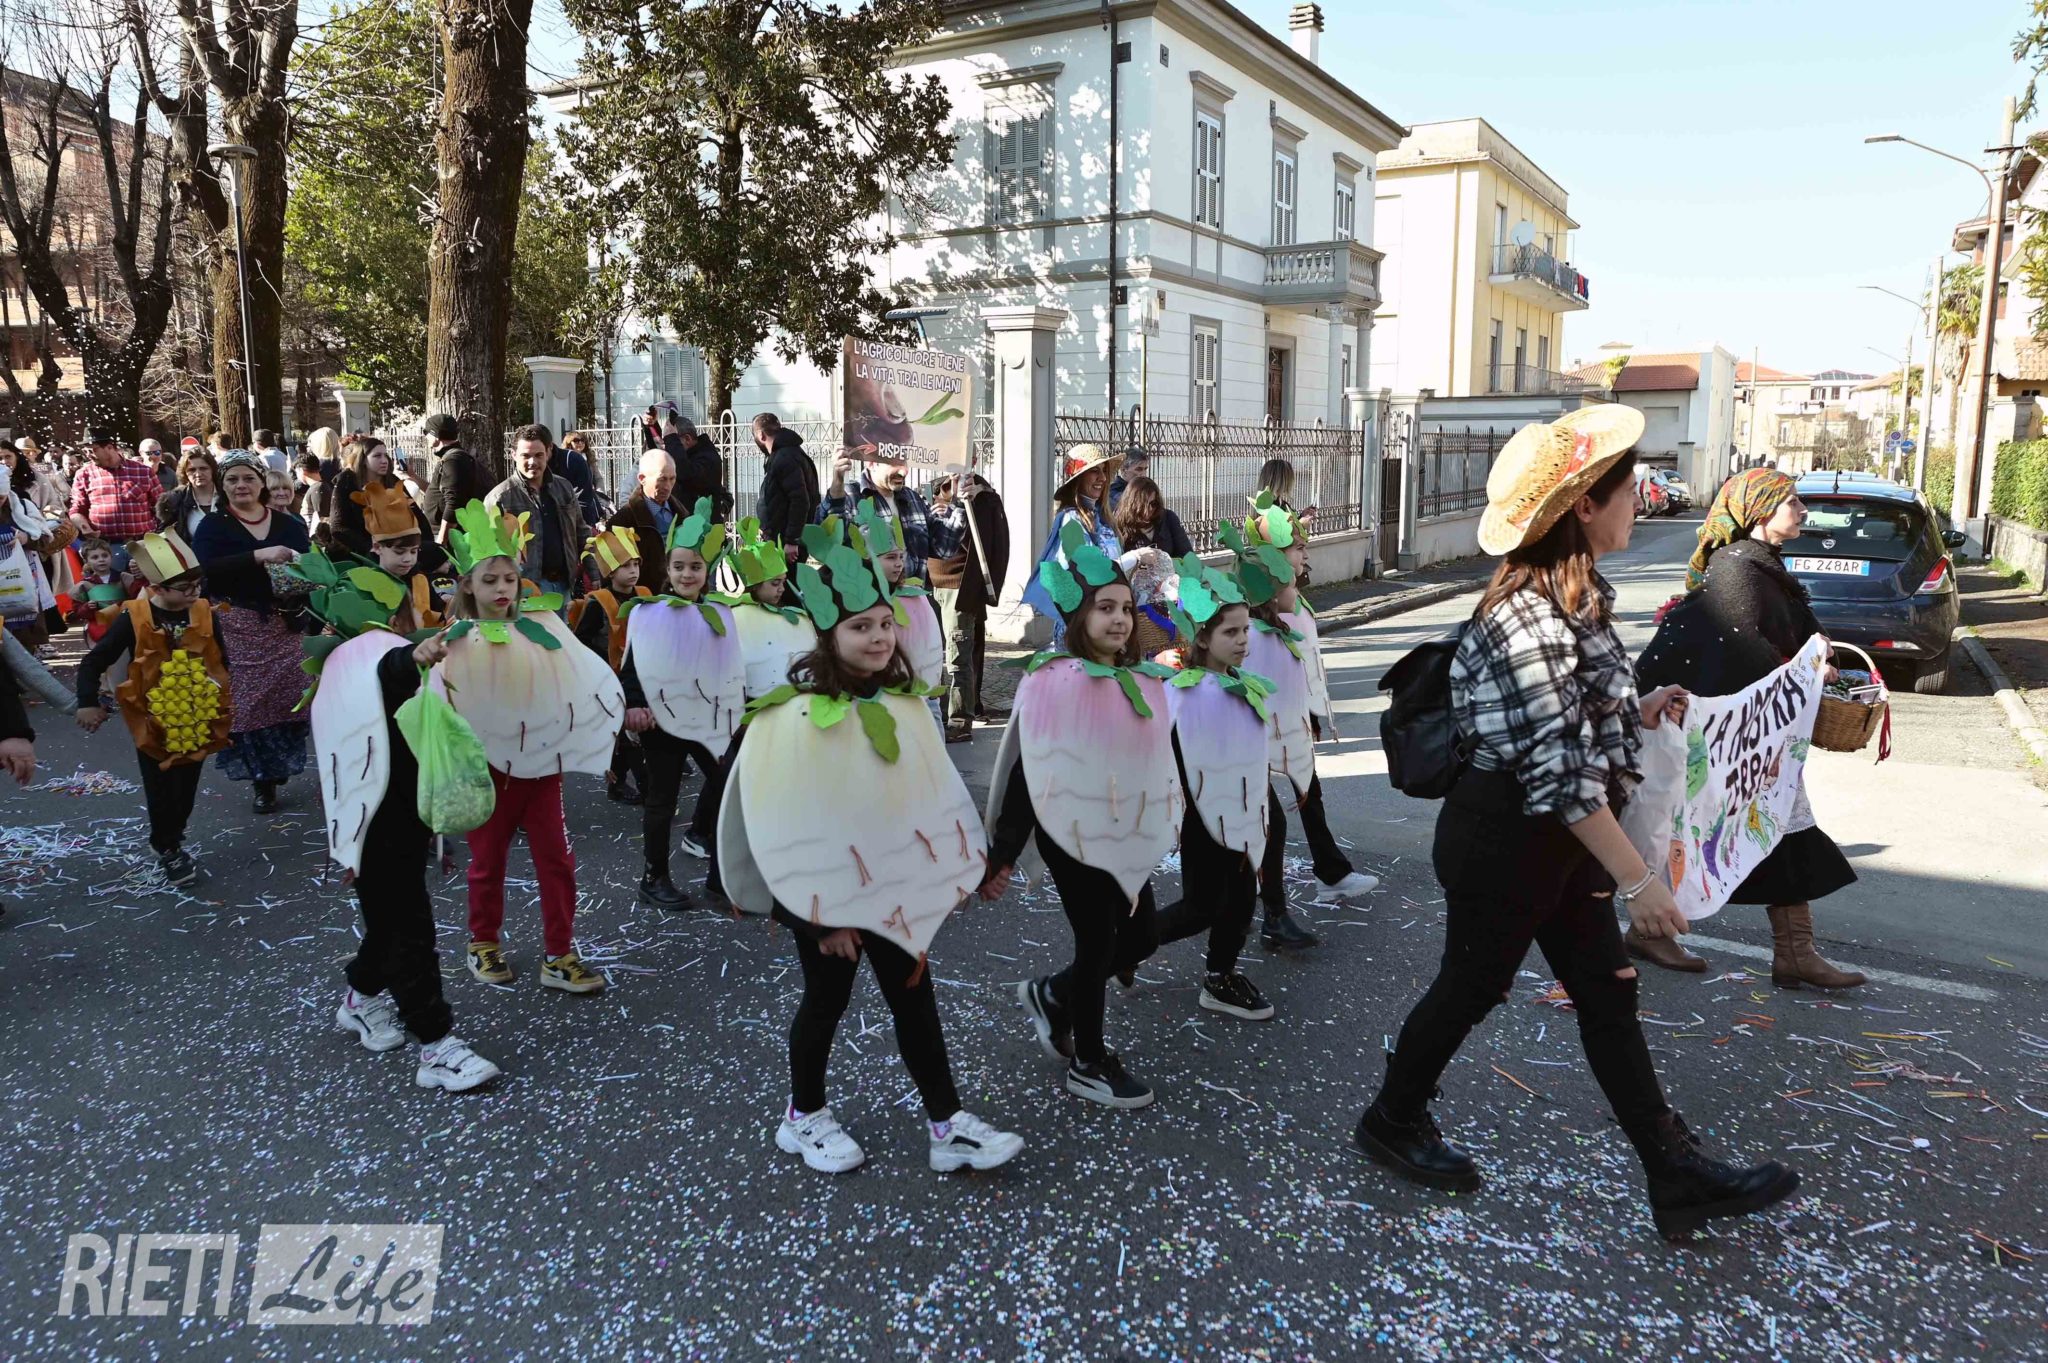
[555, 552]
[151, 452]
[648, 513]
[887, 484]
[114, 497]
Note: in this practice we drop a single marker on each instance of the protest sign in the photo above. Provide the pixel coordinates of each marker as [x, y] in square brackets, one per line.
[1744, 755]
[905, 405]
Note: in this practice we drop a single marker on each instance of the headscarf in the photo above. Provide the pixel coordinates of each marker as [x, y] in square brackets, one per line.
[1744, 502]
[236, 459]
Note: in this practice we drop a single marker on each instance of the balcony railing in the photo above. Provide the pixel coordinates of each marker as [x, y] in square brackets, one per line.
[1526, 379]
[1533, 262]
[1323, 272]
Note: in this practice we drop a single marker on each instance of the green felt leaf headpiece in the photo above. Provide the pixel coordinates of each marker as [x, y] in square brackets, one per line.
[839, 579]
[1273, 523]
[348, 600]
[482, 533]
[1199, 595]
[1077, 566]
[875, 532]
[757, 560]
[699, 530]
[1262, 570]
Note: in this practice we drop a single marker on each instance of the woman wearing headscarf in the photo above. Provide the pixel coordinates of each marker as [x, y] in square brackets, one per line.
[239, 547]
[1742, 617]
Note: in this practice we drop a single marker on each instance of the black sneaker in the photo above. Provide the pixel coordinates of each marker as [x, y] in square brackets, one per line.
[1281, 932]
[1055, 1034]
[1235, 995]
[1416, 1150]
[623, 791]
[1108, 1083]
[266, 797]
[659, 892]
[178, 867]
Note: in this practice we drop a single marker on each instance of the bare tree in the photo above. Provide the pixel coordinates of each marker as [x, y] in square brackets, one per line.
[86, 198]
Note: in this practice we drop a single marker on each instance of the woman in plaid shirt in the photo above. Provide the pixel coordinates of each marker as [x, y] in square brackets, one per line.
[1528, 847]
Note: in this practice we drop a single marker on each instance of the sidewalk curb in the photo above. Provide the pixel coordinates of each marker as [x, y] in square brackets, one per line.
[2016, 713]
[1379, 607]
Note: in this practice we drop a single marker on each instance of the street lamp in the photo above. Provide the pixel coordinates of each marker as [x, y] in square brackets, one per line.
[1927, 315]
[232, 155]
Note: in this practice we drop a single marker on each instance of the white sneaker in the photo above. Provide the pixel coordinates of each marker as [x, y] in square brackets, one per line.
[1350, 887]
[973, 1144]
[450, 1064]
[693, 847]
[822, 1142]
[373, 1018]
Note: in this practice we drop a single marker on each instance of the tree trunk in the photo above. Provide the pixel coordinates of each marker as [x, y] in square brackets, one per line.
[480, 148]
[722, 377]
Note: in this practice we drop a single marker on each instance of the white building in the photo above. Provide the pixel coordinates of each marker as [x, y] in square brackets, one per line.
[1687, 399]
[1243, 206]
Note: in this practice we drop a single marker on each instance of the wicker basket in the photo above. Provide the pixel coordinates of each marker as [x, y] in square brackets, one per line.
[1848, 725]
[1150, 638]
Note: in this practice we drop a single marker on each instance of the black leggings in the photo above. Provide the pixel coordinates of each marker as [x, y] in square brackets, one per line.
[1511, 878]
[1331, 865]
[667, 757]
[398, 947]
[1110, 937]
[828, 984]
[1217, 892]
[629, 759]
[168, 795]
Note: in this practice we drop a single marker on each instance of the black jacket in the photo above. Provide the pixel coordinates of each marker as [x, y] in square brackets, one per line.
[789, 491]
[1749, 618]
[699, 473]
[1167, 533]
[455, 478]
[573, 469]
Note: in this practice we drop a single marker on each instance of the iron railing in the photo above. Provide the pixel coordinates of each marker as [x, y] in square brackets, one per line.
[1207, 471]
[1533, 262]
[1527, 379]
[1453, 469]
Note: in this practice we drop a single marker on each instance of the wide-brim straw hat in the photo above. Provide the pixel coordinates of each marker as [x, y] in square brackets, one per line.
[1547, 466]
[1081, 459]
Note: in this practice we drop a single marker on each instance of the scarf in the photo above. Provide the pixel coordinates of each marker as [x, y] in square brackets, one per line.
[1744, 502]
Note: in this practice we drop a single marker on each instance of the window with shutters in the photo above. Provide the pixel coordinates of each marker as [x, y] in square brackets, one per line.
[1206, 364]
[1543, 353]
[1286, 180]
[1347, 208]
[1018, 154]
[1209, 170]
[668, 373]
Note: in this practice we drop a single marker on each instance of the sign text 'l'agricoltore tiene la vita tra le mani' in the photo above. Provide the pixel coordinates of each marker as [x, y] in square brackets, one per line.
[905, 405]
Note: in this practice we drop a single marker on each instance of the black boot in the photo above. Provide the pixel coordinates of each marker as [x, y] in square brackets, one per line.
[1687, 1189]
[1282, 932]
[619, 788]
[266, 797]
[1416, 1151]
[657, 891]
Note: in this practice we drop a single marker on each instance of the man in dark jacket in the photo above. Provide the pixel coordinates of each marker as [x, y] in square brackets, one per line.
[789, 486]
[572, 468]
[554, 554]
[699, 471]
[648, 514]
[970, 553]
[455, 477]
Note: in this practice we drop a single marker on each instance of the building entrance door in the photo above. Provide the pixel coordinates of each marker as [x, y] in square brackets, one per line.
[1276, 384]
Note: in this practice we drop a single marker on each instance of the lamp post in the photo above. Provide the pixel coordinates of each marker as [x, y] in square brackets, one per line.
[232, 155]
[1906, 382]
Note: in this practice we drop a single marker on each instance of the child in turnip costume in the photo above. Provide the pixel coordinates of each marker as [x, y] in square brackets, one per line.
[542, 705]
[685, 692]
[1219, 737]
[847, 822]
[773, 632]
[599, 620]
[1085, 771]
[918, 630]
[1271, 552]
[369, 785]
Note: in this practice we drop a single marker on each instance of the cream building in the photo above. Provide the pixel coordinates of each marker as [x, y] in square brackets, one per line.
[1477, 281]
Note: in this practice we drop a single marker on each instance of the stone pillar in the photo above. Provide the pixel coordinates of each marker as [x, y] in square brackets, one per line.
[1408, 413]
[1024, 454]
[358, 412]
[554, 391]
[1334, 408]
[1359, 416]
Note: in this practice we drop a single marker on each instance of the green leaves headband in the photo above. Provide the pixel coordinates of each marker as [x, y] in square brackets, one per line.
[698, 531]
[1262, 570]
[876, 532]
[1201, 595]
[840, 579]
[755, 559]
[1078, 566]
[482, 533]
[349, 600]
[1272, 522]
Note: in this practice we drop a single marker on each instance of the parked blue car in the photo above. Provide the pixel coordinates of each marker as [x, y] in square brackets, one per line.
[1875, 559]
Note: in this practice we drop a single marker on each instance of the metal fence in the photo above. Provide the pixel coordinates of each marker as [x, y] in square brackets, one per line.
[1207, 471]
[1453, 467]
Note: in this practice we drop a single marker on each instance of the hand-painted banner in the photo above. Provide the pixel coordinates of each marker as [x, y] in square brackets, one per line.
[1744, 759]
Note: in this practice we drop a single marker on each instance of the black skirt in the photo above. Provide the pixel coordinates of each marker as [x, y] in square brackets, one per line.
[1803, 867]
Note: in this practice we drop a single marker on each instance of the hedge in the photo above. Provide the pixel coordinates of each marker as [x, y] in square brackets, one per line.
[1941, 478]
[2019, 484]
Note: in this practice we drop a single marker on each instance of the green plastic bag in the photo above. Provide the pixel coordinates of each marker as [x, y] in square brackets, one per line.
[456, 794]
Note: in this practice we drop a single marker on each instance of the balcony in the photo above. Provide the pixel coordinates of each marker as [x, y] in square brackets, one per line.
[1523, 379]
[1532, 273]
[1318, 274]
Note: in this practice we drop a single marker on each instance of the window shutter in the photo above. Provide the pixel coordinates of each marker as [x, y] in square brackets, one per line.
[991, 173]
[1028, 168]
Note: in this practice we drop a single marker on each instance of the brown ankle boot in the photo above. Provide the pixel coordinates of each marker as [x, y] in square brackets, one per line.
[1661, 951]
[1794, 961]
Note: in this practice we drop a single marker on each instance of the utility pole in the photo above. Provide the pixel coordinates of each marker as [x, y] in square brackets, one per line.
[1756, 373]
[1971, 463]
[1933, 357]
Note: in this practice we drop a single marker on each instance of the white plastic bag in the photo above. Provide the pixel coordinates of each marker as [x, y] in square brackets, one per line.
[1648, 816]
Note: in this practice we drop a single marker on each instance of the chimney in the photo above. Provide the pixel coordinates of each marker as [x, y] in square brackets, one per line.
[1305, 30]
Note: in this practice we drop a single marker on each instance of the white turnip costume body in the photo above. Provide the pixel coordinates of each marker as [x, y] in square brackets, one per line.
[1223, 745]
[691, 669]
[350, 742]
[539, 711]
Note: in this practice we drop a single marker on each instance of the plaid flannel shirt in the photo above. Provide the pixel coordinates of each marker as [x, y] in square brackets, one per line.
[1552, 699]
[119, 503]
[906, 506]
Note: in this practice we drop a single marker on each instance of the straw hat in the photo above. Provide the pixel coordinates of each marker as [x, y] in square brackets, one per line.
[1547, 466]
[1082, 458]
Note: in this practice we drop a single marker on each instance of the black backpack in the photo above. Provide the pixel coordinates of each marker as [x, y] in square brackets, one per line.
[1425, 754]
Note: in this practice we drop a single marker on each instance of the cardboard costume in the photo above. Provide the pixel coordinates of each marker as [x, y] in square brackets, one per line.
[848, 812]
[1262, 570]
[771, 637]
[175, 697]
[917, 625]
[541, 702]
[687, 653]
[1095, 741]
[1220, 721]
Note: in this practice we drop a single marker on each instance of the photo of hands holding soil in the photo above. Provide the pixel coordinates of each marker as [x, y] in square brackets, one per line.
[905, 405]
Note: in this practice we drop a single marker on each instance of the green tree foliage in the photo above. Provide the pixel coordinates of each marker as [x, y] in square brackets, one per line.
[2019, 485]
[356, 230]
[1941, 478]
[744, 174]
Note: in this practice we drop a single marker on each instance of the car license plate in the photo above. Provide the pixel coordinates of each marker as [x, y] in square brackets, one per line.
[1830, 567]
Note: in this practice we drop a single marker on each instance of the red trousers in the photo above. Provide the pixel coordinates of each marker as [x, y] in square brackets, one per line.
[532, 806]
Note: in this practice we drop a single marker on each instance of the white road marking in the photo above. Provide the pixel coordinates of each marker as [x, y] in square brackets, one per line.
[1955, 989]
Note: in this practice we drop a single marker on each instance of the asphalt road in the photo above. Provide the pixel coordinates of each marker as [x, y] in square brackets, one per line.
[172, 1067]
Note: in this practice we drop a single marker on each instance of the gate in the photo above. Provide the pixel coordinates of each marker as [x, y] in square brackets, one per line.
[1396, 440]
